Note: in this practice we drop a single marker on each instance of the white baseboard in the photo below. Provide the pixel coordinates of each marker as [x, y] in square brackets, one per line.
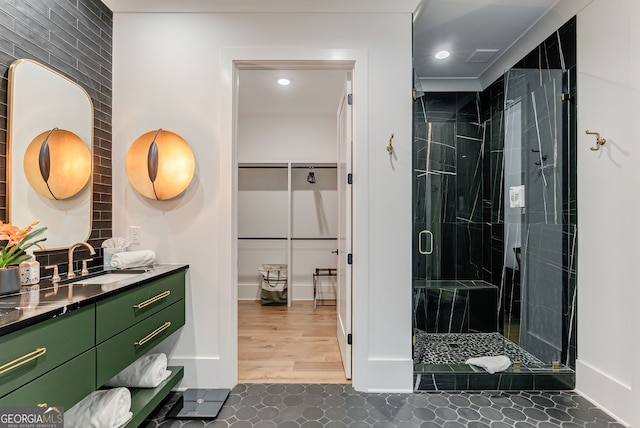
[609, 394]
[387, 375]
[203, 372]
[297, 292]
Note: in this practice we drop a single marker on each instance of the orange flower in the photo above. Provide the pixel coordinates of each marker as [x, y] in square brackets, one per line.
[15, 241]
[13, 234]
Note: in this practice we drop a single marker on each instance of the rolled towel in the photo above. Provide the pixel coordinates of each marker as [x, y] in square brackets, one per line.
[491, 364]
[132, 259]
[109, 408]
[147, 371]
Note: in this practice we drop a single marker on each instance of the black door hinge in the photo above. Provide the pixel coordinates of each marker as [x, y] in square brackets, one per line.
[350, 99]
[350, 178]
[349, 258]
[349, 339]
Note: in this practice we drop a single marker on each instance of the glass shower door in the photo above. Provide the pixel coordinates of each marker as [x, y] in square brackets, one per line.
[535, 182]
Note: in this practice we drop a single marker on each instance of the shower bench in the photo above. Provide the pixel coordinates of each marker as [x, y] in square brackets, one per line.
[457, 306]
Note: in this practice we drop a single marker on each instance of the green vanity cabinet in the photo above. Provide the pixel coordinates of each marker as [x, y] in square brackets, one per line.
[74, 350]
[32, 351]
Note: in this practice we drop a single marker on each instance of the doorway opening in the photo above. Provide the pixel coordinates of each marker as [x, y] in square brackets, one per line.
[290, 214]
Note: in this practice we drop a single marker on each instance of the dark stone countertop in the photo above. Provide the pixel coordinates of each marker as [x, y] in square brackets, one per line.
[39, 302]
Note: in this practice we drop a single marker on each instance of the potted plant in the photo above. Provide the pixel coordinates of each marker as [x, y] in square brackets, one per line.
[14, 243]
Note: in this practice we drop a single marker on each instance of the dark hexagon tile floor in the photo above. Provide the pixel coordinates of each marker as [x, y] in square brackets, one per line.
[335, 406]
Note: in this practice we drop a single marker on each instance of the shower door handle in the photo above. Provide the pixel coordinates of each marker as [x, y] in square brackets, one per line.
[425, 232]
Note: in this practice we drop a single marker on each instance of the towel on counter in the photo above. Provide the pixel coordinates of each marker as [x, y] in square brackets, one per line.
[147, 371]
[109, 408]
[491, 364]
[132, 259]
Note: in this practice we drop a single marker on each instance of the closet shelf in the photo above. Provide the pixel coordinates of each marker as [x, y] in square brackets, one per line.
[263, 166]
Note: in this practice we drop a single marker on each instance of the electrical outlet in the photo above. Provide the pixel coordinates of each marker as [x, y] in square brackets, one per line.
[135, 234]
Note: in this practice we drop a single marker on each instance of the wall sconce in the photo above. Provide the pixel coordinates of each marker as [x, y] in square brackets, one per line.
[160, 164]
[57, 164]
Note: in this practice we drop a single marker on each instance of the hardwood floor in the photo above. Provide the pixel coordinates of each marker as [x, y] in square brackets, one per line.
[279, 344]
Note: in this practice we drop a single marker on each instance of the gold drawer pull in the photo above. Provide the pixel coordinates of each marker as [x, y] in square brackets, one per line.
[152, 300]
[22, 360]
[153, 334]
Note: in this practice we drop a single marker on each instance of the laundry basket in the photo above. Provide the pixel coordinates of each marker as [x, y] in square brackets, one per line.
[274, 284]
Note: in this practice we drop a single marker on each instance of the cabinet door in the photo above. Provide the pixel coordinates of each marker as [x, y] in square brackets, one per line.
[61, 387]
[34, 350]
[120, 312]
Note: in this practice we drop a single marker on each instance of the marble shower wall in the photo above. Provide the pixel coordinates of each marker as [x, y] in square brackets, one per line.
[464, 198]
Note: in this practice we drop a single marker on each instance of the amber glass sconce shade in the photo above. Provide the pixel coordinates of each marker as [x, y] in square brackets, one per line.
[57, 164]
[160, 164]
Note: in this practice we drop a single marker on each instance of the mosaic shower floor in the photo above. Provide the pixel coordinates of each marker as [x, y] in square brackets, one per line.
[456, 348]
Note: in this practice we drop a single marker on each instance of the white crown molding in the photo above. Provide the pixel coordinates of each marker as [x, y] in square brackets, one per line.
[262, 6]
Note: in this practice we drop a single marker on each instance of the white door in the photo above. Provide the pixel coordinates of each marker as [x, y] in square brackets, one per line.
[343, 295]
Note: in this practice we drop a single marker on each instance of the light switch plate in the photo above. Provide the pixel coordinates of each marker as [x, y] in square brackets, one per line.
[135, 234]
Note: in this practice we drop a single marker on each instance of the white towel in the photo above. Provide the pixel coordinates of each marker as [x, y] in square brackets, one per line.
[108, 408]
[147, 371]
[491, 364]
[132, 259]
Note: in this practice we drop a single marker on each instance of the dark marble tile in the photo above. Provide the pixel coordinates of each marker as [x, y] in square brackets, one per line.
[445, 382]
[516, 382]
[559, 381]
[483, 310]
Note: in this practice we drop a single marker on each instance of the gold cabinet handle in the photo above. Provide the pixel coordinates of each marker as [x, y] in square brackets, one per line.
[152, 300]
[22, 360]
[153, 334]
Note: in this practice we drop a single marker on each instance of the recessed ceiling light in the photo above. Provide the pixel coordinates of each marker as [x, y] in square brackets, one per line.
[283, 81]
[442, 54]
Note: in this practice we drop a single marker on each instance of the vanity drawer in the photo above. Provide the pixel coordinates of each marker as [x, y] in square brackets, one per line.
[125, 309]
[118, 352]
[61, 387]
[34, 350]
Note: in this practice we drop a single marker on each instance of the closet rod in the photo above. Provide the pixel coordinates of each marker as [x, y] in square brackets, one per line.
[314, 167]
[264, 166]
[262, 238]
[314, 239]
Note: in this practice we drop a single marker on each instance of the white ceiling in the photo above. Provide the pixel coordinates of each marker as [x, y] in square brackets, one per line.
[310, 92]
[462, 26]
[511, 27]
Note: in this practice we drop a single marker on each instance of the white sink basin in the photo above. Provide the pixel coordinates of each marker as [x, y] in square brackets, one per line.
[106, 278]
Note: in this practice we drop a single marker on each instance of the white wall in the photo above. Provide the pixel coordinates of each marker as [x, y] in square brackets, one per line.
[608, 199]
[294, 138]
[175, 71]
